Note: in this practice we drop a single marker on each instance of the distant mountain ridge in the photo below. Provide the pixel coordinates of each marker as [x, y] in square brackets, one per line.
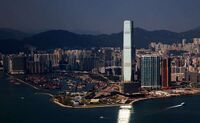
[6, 33]
[63, 38]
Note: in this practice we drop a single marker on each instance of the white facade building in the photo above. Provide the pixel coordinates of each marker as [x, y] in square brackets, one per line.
[127, 51]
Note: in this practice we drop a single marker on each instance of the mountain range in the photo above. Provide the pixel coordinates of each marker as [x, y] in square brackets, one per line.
[14, 41]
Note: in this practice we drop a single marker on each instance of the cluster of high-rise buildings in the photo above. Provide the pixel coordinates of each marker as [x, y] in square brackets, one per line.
[161, 66]
[154, 71]
[154, 68]
[105, 60]
[30, 63]
[192, 46]
[145, 68]
[184, 57]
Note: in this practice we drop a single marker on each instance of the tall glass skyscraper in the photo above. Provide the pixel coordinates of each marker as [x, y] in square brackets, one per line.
[128, 54]
[150, 71]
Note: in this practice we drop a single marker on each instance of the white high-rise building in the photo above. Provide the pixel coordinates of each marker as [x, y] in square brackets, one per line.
[128, 57]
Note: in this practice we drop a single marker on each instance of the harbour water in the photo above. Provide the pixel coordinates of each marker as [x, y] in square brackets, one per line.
[23, 104]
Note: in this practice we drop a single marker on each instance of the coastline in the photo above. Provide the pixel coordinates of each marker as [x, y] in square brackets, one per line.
[86, 106]
[150, 98]
[60, 104]
[117, 105]
[22, 81]
[55, 101]
[48, 94]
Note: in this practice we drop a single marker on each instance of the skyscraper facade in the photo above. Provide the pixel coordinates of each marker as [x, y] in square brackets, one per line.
[150, 71]
[166, 72]
[128, 54]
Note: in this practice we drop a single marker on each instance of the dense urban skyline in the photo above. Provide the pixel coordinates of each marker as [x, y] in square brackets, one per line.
[59, 57]
[93, 16]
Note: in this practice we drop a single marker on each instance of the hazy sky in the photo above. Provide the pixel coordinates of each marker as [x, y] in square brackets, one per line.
[104, 16]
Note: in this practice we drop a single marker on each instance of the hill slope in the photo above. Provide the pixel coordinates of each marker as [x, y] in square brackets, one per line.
[62, 38]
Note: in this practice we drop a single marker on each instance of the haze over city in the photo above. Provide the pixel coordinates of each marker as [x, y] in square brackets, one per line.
[98, 16]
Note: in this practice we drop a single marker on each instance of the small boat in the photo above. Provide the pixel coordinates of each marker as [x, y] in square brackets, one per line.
[101, 117]
[176, 106]
[22, 98]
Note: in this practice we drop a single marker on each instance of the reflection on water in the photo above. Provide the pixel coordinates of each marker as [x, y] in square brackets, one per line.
[124, 114]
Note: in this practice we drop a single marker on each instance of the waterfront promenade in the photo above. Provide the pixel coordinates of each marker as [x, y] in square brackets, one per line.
[153, 95]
